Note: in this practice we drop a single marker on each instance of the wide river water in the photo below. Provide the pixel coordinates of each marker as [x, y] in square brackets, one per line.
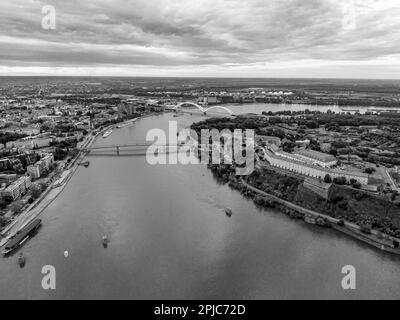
[170, 239]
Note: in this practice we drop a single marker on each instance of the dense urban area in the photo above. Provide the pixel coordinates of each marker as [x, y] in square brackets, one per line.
[343, 165]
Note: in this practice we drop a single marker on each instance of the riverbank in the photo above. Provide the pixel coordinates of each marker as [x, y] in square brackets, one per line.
[167, 229]
[345, 227]
[34, 210]
[46, 198]
[288, 205]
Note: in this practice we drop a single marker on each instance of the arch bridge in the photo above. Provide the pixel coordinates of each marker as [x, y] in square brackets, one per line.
[203, 109]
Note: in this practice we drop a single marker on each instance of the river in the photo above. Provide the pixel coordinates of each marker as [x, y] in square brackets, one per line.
[170, 239]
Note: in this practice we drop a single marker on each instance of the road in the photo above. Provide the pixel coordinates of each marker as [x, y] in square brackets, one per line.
[47, 197]
[297, 207]
[307, 211]
[393, 184]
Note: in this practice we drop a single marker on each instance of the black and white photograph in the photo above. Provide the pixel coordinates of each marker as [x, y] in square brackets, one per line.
[218, 151]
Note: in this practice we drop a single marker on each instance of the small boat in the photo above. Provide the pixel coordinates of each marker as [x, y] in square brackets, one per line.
[321, 222]
[310, 219]
[104, 241]
[107, 133]
[22, 236]
[85, 164]
[21, 260]
[349, 109]
[228, 212]
[127, 123]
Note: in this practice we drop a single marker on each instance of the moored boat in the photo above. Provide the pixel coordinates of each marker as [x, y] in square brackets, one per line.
[228, 212]
[85, 164]
[104, 241]
[22, 236]
[21, 260]
[127, 123]
[310, 219]
[107, 133]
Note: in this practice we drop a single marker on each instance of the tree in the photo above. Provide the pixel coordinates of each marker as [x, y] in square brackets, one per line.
[333, 152]
[16, 207]
[394, 195]
[3, 221]
[313, 124]
[340, 181]
[353, 181]
[4, 202]
[43, 186]
[357, 185]
[259, 200]
[36, 191]
[366, 228]
[341, 223]
[328, 179]
[343, 205]
[395, 176]
[369, 170]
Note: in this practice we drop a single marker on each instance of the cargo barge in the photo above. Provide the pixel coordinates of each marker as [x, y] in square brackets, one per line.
[22, 236]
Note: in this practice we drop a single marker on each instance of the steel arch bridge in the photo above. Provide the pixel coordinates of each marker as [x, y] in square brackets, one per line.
[202, 109]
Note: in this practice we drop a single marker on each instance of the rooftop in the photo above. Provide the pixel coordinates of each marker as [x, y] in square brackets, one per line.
[325, 157]
[311, 166]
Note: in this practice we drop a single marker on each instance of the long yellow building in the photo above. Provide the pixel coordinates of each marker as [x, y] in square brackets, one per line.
[293, 163]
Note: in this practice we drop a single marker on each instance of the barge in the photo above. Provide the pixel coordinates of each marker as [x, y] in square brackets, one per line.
[22, 236]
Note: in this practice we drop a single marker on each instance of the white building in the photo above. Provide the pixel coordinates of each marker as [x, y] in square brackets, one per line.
[314, 157]
[30, 143]
[208, 100]
[291, 163]
[17, 189]
[268, 140]
[47, 160]
[34, 171]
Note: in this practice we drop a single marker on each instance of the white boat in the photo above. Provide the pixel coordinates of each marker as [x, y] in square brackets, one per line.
[107, 133]
[127, 123]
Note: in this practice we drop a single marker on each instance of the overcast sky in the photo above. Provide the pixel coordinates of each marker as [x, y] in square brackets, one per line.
[222, 38]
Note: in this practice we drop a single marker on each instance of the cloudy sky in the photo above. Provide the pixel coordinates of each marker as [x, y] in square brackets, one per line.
[223, 38]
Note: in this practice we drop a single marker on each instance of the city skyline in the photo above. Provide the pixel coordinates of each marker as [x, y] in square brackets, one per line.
[274, 39]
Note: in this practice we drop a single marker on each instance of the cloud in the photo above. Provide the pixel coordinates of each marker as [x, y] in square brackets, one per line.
[216, 36]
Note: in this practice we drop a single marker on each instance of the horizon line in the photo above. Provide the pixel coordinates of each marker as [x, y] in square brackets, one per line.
[196, 77]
